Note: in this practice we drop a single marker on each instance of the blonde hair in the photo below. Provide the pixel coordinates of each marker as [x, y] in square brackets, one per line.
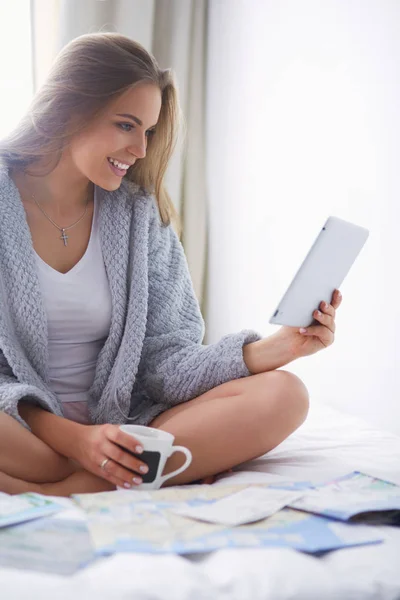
[90, 71]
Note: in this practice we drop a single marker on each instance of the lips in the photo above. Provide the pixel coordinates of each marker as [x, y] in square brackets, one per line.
[116, 170]
[120, 164]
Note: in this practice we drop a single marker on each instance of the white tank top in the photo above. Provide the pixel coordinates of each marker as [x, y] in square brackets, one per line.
[78, 306]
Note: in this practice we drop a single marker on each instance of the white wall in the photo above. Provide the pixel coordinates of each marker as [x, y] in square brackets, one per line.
[303, 122]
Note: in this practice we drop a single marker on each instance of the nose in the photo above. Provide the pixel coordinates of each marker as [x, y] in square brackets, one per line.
[138, 147]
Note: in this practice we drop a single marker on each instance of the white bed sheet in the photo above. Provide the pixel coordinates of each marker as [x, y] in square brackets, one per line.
[329, 444]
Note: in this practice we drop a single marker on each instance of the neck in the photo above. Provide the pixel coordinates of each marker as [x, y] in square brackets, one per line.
[63, 190]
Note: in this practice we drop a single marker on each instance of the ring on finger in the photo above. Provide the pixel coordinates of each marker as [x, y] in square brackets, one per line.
[104, 462]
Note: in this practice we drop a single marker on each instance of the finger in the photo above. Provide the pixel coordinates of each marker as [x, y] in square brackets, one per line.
[327, 309]
[336, 299]
[325, 320]
[322, 333]
[113, 472]
[119, 482]
[122, 457]
[116, 435]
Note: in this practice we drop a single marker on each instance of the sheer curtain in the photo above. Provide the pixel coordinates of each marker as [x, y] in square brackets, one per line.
[302, 123]
[175, 32]
[16, 86]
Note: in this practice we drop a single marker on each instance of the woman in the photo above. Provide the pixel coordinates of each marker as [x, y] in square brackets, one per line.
[99, 324]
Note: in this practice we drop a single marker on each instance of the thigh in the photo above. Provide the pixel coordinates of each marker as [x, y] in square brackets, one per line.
[24, 456]
[234, 422]
[271, 388]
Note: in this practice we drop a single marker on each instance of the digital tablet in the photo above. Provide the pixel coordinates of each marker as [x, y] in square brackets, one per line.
[322, 271]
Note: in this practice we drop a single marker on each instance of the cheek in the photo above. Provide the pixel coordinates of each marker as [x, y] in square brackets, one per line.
[88, 151]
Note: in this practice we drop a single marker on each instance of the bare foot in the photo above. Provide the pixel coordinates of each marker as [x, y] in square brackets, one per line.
[212, 478]
[208, 480]
[11, 485]
[81, 482]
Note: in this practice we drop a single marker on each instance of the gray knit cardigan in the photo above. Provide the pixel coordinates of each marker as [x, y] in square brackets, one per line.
[153, 357]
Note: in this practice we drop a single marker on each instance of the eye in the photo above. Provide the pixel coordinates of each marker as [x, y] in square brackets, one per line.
[123, 126]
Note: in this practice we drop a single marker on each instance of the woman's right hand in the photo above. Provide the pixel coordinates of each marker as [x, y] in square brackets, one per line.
[96, 443]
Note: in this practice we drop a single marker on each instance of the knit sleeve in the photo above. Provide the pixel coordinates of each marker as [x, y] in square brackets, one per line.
[12, 391]
[175, 366]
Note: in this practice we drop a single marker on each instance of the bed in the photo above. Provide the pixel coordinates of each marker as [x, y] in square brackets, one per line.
[327, 445]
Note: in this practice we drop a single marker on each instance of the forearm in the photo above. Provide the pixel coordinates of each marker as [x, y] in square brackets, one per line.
[267, 354]
[57, 432]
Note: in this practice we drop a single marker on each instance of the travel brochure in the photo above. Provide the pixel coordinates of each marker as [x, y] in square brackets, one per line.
[354, 495]
[25, 507]
[36, 532]
[58, 546]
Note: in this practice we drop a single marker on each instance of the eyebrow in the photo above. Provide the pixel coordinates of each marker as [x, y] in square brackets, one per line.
[133, 118]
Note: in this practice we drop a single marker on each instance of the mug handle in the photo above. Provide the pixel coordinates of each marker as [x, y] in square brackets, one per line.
[188, 455]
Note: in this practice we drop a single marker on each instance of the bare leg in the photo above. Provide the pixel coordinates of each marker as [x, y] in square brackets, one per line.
[234, 422]
[11, 485]
[28, 465]
[24, 456]
[80, 482]
[228, 425]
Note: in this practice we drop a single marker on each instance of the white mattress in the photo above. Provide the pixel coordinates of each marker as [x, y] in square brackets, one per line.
[329, 444]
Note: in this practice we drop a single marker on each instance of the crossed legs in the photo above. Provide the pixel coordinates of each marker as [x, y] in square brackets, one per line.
[230, 424]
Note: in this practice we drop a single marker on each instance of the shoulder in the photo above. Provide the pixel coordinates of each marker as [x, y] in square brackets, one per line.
[5, 181]
[10, 200]
[134, 194]
[143, 208]
[147, 203]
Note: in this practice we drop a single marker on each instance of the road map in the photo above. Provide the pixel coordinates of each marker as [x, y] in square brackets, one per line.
[140, 521]
[60, 535]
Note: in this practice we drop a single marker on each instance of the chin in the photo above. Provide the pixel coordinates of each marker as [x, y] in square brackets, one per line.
[108, 184]
[112, 186]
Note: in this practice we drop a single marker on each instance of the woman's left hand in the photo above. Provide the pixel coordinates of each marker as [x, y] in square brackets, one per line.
[315, 337]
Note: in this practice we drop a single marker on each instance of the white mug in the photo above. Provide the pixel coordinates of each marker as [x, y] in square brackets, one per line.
[158, 446]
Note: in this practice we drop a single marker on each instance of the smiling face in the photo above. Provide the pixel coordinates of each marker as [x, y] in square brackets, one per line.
[114, 141]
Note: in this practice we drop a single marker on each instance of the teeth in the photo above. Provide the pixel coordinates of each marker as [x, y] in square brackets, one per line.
[118, 164]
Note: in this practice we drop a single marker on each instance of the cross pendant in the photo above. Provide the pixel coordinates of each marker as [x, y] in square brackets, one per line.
[64, 237]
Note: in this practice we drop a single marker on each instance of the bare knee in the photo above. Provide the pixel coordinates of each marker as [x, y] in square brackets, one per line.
[288, 395]
[293, 390]
[294, 395]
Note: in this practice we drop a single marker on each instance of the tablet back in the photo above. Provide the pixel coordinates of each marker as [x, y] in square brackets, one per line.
[324, 269]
